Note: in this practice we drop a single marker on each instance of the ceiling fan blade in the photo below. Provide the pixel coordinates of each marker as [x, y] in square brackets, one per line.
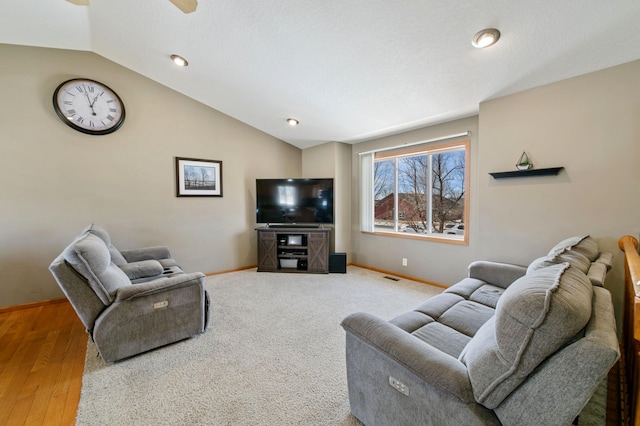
[187, 6]
[79, 2]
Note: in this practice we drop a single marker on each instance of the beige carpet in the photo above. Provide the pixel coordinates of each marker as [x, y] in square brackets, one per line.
[273, 355]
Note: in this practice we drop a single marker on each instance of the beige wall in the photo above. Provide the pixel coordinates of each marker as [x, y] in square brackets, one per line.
[57, 180]
[333, 160]
[428, 260]
[590, 125]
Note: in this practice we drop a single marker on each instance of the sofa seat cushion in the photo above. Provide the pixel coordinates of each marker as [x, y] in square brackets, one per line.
[90, 257]
[432, 332]
[442, 337]
[477, 291]
[411, 321]
[449, 320]
[466, 317]
[535, 316]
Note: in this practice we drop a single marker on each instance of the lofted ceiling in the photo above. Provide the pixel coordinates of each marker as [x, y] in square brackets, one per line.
[349, 71]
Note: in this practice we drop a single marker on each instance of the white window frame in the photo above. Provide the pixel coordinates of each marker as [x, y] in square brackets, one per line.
[367, 201]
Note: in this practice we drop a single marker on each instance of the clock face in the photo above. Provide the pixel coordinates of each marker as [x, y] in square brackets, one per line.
[88, 106]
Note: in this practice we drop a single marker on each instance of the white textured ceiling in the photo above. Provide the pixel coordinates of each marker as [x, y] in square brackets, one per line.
[349, 70]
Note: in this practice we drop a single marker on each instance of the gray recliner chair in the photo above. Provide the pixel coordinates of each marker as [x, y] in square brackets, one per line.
[130, 301]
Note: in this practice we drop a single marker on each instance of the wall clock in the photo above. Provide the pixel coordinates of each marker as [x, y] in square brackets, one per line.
[88, 106]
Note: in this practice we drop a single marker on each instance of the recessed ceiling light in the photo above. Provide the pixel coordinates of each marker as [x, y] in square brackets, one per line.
[485, 38]
[179, 60]
[292, 122]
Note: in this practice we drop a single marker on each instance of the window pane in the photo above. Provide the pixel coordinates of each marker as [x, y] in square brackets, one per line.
[413, 187]
[384, 195]
[420, 191]
[448, 195]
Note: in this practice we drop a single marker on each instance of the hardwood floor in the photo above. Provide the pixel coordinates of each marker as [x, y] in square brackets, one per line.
[42, 351]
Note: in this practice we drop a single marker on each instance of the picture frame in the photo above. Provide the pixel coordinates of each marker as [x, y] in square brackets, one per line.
[197, 177]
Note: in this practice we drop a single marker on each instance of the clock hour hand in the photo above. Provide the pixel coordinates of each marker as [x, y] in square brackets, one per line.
[91, 103]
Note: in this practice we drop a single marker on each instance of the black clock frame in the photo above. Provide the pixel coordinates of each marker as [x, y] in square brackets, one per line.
[74, 126]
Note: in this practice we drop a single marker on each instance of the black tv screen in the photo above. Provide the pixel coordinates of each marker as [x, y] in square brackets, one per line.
[294, 201]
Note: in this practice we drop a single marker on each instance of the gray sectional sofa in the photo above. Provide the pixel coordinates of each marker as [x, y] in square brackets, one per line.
[509, 345]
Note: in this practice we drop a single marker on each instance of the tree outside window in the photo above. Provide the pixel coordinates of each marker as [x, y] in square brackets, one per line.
[422, 192]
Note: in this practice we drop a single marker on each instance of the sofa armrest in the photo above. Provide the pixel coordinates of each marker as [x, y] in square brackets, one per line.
[159, 285]
[606, 259]
[146, 253]
[431, 365]
[495, 273]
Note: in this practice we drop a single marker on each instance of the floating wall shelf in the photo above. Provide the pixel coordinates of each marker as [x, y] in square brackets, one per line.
[527, 173]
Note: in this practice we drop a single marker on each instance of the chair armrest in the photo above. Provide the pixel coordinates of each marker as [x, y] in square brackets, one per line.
[142, 269]
[436, 368]
[150, 315]
[495, 273]
[146, 253]
[159, 285]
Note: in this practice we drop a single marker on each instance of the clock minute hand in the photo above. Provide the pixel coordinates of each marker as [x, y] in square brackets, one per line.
[95, 99]
[91, 103]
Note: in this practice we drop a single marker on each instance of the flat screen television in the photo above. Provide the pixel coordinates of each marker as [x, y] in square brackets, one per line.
[294, 201]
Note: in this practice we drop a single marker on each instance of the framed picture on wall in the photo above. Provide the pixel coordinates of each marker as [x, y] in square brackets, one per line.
[198, 178]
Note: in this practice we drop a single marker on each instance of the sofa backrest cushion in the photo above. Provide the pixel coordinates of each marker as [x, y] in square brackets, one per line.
[574, 258]
[99, 231]
[90, 257]
[585, 245]
[536, 315]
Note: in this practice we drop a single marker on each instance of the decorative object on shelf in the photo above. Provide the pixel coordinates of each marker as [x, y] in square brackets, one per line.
[524, 163]
[198, 178]
[88, 106]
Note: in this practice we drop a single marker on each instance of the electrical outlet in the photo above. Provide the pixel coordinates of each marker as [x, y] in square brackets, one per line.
[399, 386]
[404, 261]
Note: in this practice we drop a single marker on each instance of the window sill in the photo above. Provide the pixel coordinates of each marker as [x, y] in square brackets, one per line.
[456, 240]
